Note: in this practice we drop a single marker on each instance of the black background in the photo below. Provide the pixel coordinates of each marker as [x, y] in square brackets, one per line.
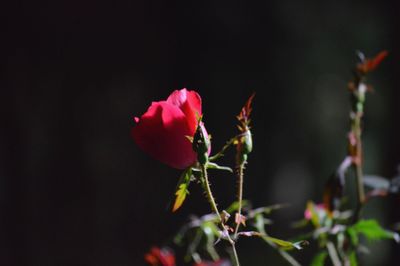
[76, 190]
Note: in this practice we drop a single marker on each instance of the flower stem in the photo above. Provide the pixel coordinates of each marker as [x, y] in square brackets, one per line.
[214, 208]
[358, 167]
[222, 151]
[240, 197]
[333, 254]
[356, 131]
[288, 258]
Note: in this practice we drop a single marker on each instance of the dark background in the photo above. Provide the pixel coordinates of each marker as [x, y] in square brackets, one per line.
[76, 190]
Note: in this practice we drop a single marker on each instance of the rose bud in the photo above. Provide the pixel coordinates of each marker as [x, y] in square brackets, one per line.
[201, 144]
[165, 129]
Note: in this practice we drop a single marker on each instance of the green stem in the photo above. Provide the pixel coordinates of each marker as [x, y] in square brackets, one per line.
[222, 151]
[358, 166]
[357, 131]
[288, 258]
[240, 197]
[214, 208]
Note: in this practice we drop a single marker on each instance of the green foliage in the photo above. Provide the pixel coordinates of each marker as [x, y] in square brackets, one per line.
[314, 215]
[182, 189]
[235, 205]
[285, 245]
[259, 224]
[319, 259]
[371, 230]
[353, 259]
[211, 165]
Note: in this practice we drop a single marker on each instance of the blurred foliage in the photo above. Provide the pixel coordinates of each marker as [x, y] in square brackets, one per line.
[74, 188]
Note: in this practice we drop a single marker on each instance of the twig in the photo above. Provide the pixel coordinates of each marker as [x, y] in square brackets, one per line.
[356, 131]
[214, 207]
[222, 151]
[333, 254]
[240, 198]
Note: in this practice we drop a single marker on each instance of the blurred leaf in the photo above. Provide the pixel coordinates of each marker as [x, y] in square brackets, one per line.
[353, 259]
[319, 259]
[376, 182]
[286, 245]
[210, 229]
[211, 232]
[353, 235]
[249, 233]
[275, 242]
[182, 190]
[301, 237]
[193, 245]
[371, 230]
[314, 215]
[266, 210]
[300, 224]
[259, 223]
[235, 206]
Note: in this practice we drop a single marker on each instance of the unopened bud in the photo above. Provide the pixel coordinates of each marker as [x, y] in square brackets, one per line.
[244, 146]
[201, 144]
[247, 142]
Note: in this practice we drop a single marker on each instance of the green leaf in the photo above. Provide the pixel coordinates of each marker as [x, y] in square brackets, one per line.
[265, 210]
[182, 189]
[353, 259]
[286, 245]
[314, 215]
[371, 230]
[300, 224]
[235, 206]
[210, 229]
[319, 259]
[211, 165]
[353, 235]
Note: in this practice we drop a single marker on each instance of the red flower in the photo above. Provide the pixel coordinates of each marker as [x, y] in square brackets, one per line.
[160, 257]
[163, 130]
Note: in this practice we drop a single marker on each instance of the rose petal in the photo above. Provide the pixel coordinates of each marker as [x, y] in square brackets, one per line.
[190, 104]
[162, 131]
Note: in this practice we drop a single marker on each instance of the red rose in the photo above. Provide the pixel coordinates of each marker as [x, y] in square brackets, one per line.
[162, 131]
